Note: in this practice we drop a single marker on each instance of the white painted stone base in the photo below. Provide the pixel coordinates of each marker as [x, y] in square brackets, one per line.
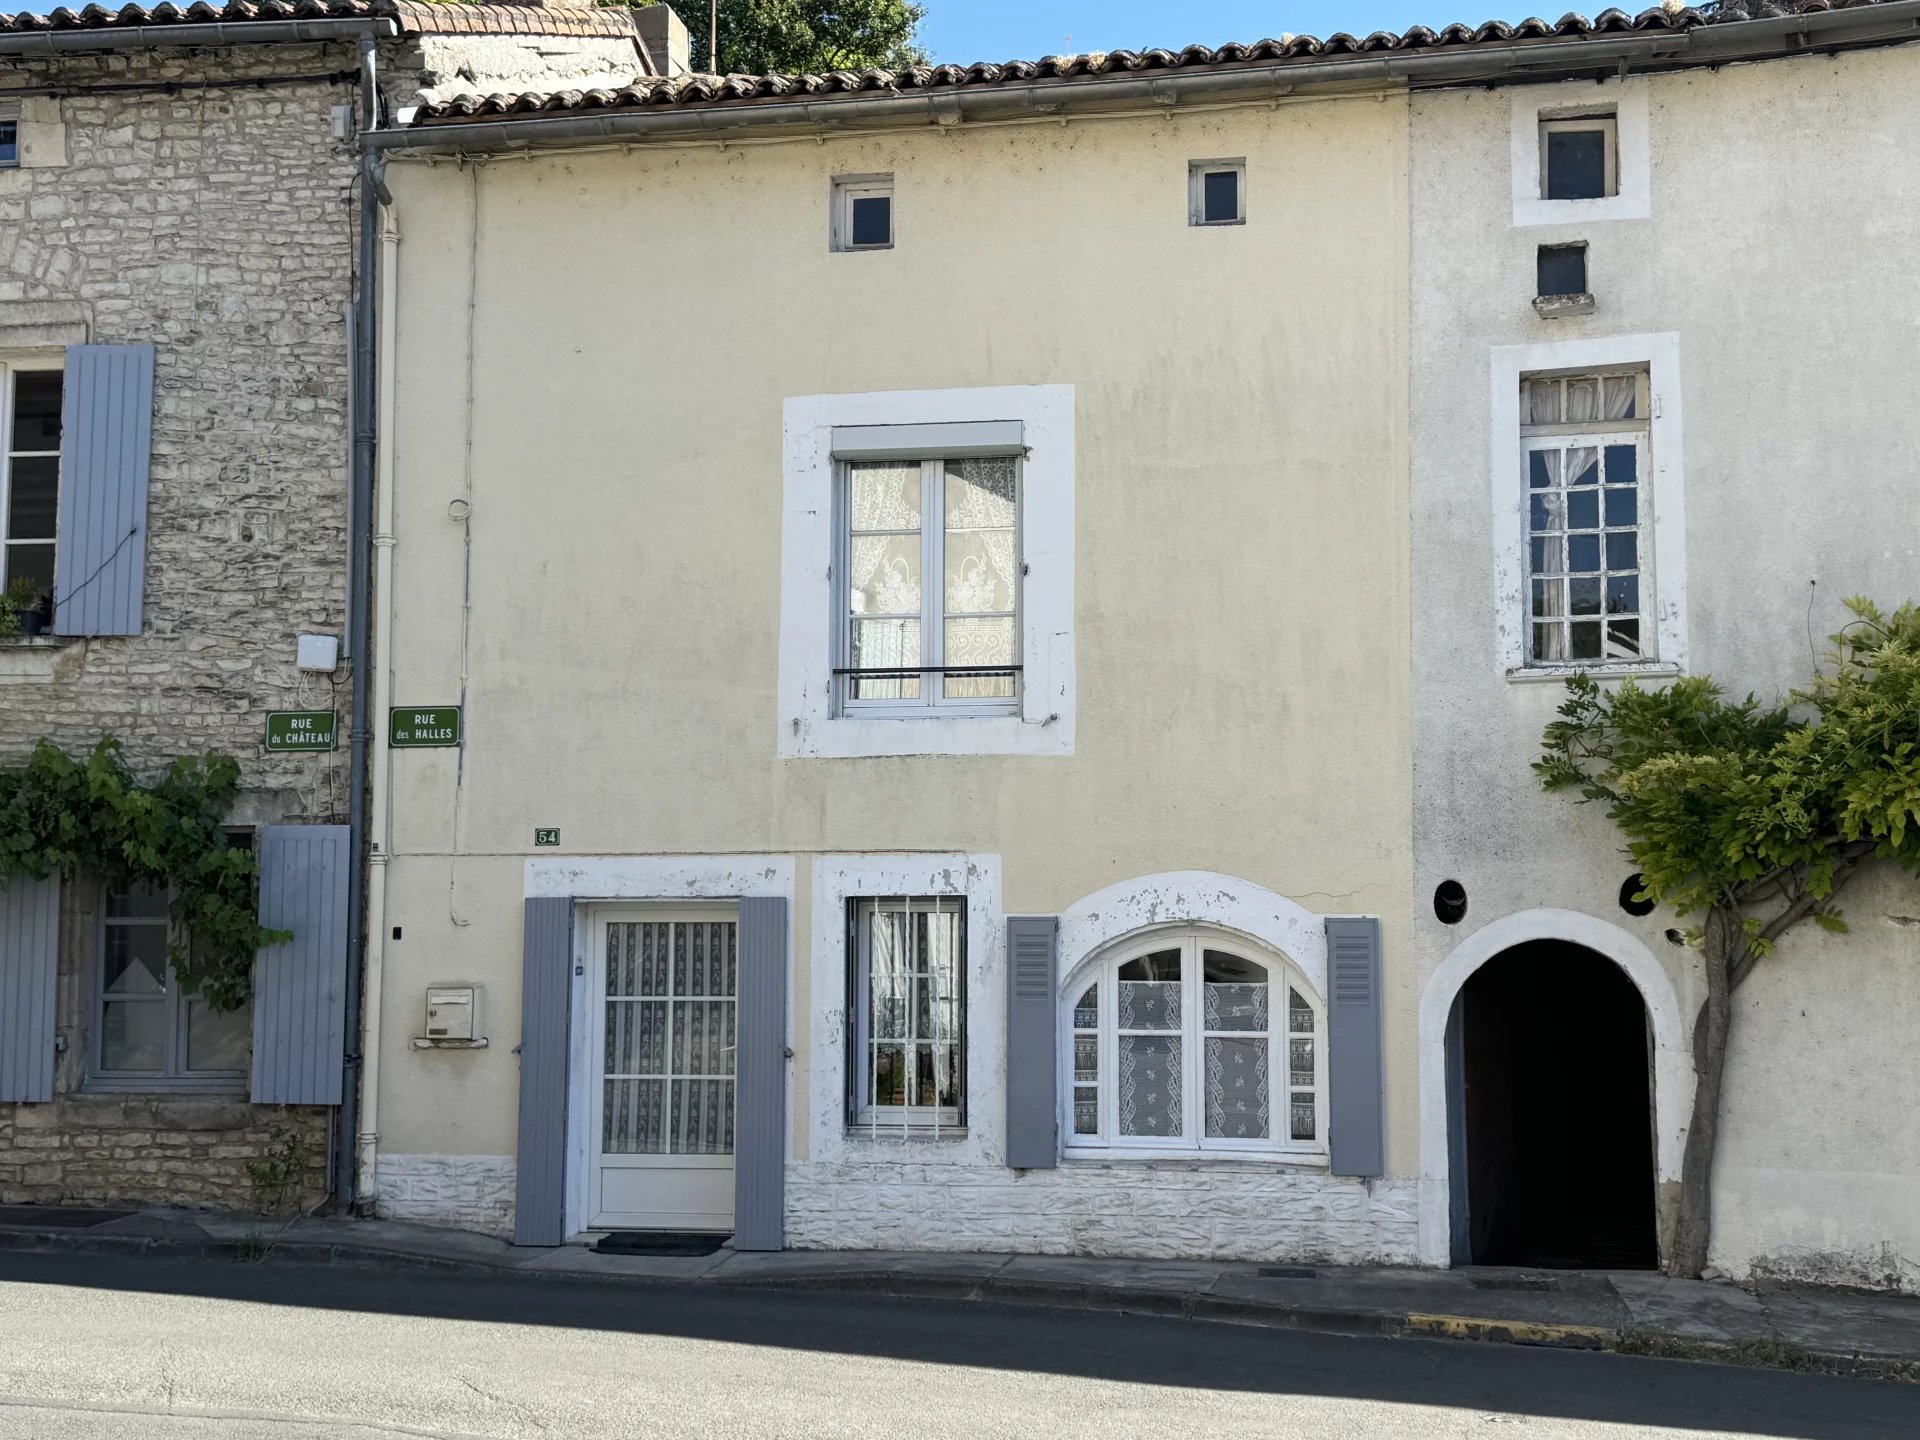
[464, 1192]
[1138, 1210]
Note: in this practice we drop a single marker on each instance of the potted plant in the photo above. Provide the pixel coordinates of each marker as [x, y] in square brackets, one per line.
[22, 609]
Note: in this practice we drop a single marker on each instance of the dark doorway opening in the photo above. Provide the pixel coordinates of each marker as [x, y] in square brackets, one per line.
[1555, 1106]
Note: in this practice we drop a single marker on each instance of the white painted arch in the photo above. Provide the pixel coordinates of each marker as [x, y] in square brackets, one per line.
[1672, 1059]
[1195, 897]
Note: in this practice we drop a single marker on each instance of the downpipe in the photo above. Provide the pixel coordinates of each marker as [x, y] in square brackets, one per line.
[359, 528]
[379, 799]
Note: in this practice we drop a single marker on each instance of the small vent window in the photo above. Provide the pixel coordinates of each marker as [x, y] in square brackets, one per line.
[1579, 157]
[1216, 192]
[863, 212]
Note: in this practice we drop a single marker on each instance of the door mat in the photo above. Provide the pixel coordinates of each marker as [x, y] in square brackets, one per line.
[55, 1218]
[658, 1242]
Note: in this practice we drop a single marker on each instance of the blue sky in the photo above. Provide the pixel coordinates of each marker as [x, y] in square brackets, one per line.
[961, 31]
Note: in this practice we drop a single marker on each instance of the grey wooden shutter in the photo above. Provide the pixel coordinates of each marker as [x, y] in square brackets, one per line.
[760, 1078]
[106, 438]
[29, 970]
[1356, 1118]
[1033, 1068]
[546, 987]
[300, 986]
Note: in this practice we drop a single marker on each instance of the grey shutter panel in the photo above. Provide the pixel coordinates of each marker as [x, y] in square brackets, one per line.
[1033, 1069]
[546, 987]
[1356, 1117]
[29, 970]
[106, 437]
[300, 986]
[760, 1078]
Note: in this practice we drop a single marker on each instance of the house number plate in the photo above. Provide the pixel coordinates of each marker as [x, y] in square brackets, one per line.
[546, 837]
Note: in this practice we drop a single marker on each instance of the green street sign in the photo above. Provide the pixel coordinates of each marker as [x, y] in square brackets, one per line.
[302, 730]
[411, 727]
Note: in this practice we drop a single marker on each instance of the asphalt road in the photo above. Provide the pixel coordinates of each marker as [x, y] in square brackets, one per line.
[158, 1350]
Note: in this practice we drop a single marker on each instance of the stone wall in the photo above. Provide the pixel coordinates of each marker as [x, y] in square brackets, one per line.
[160, 1150]
[218, 226]
[1141, 1209]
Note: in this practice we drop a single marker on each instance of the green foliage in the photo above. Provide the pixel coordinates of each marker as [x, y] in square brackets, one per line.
[67, 815]
[806, 37]
[20, 595]
[1732, 803]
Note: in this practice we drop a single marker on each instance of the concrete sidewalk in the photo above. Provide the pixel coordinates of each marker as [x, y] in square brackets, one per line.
[1636, 1312]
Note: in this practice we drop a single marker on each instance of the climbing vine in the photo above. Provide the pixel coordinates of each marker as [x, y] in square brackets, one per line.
[66, 815]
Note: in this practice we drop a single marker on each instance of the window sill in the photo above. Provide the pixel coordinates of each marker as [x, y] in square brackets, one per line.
[915, 1134]
[1555, 674]
[234, 1086]
[1189, 1159]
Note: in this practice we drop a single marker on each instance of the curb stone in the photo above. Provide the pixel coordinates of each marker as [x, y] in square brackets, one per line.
[1062, 1295]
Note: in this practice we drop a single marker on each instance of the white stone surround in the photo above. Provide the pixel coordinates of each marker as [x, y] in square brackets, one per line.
[464, 1192]
[1141, 1210]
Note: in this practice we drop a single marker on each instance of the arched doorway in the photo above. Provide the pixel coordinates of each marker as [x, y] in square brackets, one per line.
[1550, 1113]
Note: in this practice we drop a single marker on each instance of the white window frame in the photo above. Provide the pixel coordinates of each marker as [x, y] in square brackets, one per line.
[810, 723]
[864, 1116]
[1599, 435]
[1607, 122]
[847, 189]
[1197, 172]
[933, 609]
[1662, 500]
[1103, 971]
[10, 366]
[822, 1000]
[1577, 103]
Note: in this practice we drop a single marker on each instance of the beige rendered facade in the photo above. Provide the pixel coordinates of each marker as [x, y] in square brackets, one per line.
[608, 366]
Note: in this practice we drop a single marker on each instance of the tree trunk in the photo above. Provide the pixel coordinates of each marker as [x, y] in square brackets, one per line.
[1726, 941]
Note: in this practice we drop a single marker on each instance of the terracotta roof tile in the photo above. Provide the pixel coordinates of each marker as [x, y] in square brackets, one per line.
[713, 90]
[415, 17]
[718, 90]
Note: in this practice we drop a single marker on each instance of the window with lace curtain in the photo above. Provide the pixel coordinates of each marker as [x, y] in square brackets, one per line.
[1193, 1040]
[930, 555]
[908, 1003]
[1590, 583]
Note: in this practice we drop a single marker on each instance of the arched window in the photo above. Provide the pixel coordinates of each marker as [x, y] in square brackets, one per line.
[1192, 1040]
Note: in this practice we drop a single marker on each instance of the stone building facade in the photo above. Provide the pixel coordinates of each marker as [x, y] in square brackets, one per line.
[203, 200]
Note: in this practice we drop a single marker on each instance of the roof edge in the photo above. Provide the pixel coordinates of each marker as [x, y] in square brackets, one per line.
[600, 115]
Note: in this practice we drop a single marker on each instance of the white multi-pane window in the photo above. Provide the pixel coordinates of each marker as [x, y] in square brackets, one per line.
[930, 566]
[1590, 596]
[149, 1033]
[908, 1001]
[1191, 1040]
[30, 479]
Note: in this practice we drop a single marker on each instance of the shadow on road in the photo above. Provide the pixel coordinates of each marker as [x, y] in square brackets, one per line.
[1131, 1349]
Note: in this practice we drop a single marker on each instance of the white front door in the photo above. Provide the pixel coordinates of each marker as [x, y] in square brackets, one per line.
[661, 1122]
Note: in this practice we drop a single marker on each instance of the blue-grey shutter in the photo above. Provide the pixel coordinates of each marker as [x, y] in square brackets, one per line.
[1033, 1069]
[546, 983]
[300, 985]
[1356, 1116]
[29, 969]
[760, 1078]
[106, 437]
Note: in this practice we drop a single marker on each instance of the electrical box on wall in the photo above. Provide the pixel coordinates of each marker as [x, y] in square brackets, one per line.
[453, 1019]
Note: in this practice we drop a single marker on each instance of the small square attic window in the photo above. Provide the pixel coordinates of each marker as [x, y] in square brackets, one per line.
[863, 212]
[1579, 157]
[1216, 192]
